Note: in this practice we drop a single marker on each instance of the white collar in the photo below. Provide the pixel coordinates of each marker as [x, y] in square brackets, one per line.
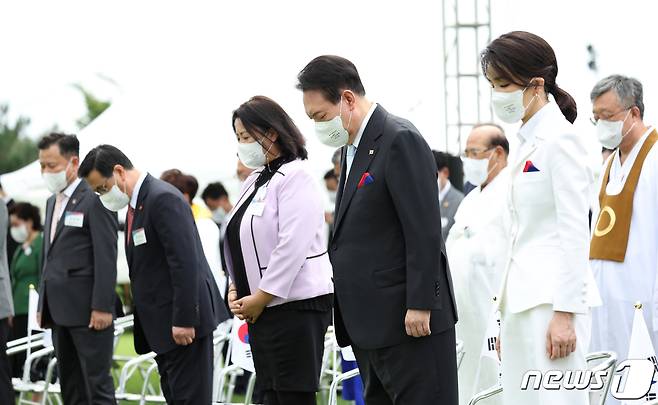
[636, 148]
[138, 185]
[68, 191]
[444, 192]
[362, 129]
[527, 131]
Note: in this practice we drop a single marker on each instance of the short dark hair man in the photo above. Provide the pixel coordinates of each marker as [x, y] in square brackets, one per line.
[216, 199]
[450, 197]
[394, 302]
[77, 292]
[177, 303]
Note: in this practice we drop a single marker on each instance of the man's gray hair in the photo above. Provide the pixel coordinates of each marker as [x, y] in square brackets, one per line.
[627, 89]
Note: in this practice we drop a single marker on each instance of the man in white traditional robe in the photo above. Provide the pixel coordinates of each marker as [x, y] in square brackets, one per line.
[477, 249]
[624, 248]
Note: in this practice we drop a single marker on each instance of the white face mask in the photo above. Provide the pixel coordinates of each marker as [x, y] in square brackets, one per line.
[218, 215]
[509, 106]
[609, 132]
[56, 182]
[252, 155]
[19, 233]
[332, 196]
[332, 133]
[115, 199]
[476, 171]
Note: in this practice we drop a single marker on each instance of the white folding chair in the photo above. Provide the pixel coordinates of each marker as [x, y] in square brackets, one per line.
[225, 374]
[24, 385]
[333, 390]
[606, 362]
[460, 353]
[488, 393]
[338, 379]
[142, 364]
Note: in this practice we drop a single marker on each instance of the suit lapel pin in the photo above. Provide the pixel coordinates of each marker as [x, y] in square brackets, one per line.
[446, 204]
[371, 152]
[141, 207]
[74, 201]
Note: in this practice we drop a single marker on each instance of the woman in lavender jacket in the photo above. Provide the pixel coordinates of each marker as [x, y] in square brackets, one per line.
[276, 255]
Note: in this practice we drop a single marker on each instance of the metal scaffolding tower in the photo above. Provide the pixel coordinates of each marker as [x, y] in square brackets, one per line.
[466, 96]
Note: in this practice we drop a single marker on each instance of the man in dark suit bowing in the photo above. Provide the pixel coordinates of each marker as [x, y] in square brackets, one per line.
[177, 303]
[76, 294]
[394, 300]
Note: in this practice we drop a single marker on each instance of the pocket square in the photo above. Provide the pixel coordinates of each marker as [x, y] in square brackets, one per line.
[365, 180]
[529, 167]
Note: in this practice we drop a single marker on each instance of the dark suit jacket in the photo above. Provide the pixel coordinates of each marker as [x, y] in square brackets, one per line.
[12, 245]
[79, 270]
[387, 252]
[449, 207]
[171, 281]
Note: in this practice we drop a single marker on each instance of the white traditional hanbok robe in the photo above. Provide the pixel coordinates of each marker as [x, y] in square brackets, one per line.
[623, 284]
[477, 249]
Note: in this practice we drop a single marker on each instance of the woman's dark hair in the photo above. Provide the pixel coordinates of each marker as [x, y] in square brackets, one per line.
[261, 114]
[185, 183]
[518, 57]
[26, 211]
[331, 75]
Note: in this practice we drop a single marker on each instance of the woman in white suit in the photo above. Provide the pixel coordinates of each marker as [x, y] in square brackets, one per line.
[547, 288]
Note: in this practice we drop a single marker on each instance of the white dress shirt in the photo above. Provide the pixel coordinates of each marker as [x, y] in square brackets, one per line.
[444, 192]
[67, 193]
[138, 185]
[351, 149]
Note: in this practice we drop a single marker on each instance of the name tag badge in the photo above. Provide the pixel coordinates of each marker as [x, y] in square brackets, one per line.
[257, 205]
[139, 237]
[75, 219]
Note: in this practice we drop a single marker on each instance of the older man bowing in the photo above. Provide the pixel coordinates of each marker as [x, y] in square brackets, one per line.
[623, 256]
[476, 248]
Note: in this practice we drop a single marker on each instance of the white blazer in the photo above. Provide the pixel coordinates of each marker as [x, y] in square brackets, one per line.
[548, 219]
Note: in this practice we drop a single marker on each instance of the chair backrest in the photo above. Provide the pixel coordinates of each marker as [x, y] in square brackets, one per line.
[460, 352]
[607, 363]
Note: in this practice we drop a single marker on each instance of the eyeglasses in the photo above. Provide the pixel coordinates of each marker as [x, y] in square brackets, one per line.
[473, 152]
[607, 117]
[103, 189]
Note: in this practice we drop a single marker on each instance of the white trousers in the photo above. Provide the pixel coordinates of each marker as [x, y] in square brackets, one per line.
[523, 348]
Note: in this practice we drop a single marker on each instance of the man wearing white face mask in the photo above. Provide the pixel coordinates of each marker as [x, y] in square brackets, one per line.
[625, 224]
[76, 295]
[216, 199]
[477, 250]
[393, 291]
[177, 302]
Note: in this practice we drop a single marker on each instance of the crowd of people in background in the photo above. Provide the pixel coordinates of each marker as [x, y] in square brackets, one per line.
[402, 241]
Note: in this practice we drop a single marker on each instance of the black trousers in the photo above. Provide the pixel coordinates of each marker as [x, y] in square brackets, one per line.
[186, 373]
[289, 398]
[422, 371]
[18, 330]
[84, 359]
[6, 388]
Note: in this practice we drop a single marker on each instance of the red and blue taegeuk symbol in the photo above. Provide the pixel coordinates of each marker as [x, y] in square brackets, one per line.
[243, 333]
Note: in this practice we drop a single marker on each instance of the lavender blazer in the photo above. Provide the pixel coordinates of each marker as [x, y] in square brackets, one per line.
[284, 248]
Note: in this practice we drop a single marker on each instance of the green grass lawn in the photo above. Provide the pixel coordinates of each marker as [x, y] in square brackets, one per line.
[134, 385]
